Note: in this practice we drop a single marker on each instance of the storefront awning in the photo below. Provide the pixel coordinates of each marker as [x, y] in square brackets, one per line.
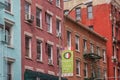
[32, 75]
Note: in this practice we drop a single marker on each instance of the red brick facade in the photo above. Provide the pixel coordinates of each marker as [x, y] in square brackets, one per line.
[30, 29]
[91, 37]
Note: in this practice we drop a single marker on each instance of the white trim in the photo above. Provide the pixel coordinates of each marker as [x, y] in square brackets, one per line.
[40, 70]
[39, 6]
[28, 34]
[29, 1]
[59, 18]
[49, 12]
[39, 38]
[51, 72]
[28, 67]
[50, 42]
[9, 21]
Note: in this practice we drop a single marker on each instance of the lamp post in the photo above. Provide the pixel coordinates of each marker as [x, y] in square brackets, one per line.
[60, 65]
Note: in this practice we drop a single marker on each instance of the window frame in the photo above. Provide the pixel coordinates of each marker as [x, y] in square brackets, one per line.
[40, 17]
[104, 55]
[84, 45]
[58, 27]
[78, 67]
[90, 12]
[40, 47]
[77, 43]
[9, 7]
[78, 13]
[58, 3]
[50, 55]
[86, 70]
[91, 47]
[9, 72]
[49, 22]
[28, 52]
[27, 4]
[69, 37]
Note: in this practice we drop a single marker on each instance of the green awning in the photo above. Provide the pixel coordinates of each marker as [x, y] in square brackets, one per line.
[32, 75]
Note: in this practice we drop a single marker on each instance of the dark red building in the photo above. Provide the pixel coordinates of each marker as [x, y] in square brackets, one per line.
[41, 28]
[102, 16]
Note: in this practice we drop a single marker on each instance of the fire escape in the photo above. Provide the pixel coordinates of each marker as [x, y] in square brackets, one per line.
[93, 60]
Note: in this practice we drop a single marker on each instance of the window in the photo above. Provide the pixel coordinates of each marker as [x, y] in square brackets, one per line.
[68, 39]
[105, 74]
[84, 45]
[66, 12]
[77, 46]
[58, 3]
[8, 33]
[78, 67]
[28, 46]
[90, 12]
[104, 55]
[85, 70]
[9, 70]
[49, 23]
[58, 52]
[98, 51]
[8, 7]
[91, 27]
[50, 54]
[39, 50]
[58, 27]
[91, 48]
[38, 18]
[78, 14]
[27, 8]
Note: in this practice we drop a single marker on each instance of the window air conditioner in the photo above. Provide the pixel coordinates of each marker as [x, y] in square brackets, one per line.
[29, 18]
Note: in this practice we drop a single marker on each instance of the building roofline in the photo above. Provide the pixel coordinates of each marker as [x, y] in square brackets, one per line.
[85, 27]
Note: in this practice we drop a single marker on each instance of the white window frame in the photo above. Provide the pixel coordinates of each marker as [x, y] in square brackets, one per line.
[58, 27]
[86, 69]
[77, 42]
[40, 47]
[90, 13]
[78, 67]
[69, 39]
[51, 57]
[98, 50]
[58, 3]
[84, 45]
[9, 34]
[91, 47]
[28, 55]
[29, 6]
[40, 17]
[49, 22]
[78, 14]
[104, 55]
[8, 2]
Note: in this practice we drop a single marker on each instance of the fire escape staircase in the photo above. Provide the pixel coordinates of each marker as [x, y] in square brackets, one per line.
[94, 59]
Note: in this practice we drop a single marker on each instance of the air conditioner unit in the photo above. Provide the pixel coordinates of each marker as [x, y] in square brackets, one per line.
[114, 58]
[29, 17]
[50, 61]
[114, 40]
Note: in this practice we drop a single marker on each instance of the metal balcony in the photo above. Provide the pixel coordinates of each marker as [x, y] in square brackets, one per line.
[92, 56]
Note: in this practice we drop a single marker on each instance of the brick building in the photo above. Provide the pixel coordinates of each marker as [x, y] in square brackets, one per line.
[101, 16]
[89, 51]
[41, 27]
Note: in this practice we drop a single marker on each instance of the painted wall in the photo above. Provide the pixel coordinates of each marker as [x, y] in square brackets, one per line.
[14, 51]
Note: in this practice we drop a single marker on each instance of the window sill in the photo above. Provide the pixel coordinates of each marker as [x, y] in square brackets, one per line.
[40, 28]
[10, 46]
[78, 75]
[51, 64]
[77, 51]
[104, 62]
[51, 2]
[28, 58]
[40, 61]
[8, 12]
[50, 33]
[27, 22]
[58, 7]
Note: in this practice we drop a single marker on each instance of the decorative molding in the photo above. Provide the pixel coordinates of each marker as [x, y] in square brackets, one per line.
[9, 21]
[39, 6]
[49, 42]
[29, 1]
[39, 38]
[51, 72]
[49, 12]
[27, 33]
[28, 67]
[40, 70]
[59, 18]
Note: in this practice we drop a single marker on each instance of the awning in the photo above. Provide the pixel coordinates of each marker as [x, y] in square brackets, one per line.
[32, 75]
